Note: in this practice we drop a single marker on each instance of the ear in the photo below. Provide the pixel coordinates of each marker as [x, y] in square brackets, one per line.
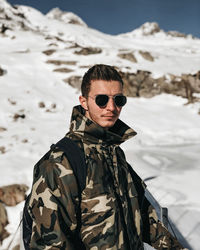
[83, 102]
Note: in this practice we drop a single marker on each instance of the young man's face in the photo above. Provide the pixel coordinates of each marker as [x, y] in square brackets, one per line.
[107, 115]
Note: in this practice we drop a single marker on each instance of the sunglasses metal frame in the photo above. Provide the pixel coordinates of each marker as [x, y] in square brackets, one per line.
[109, 96]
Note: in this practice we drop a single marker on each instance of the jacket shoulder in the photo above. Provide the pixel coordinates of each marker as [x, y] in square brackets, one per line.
[53, 163]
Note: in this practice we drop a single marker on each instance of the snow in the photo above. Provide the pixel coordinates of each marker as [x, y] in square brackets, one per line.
[168, 140]
[66, 17]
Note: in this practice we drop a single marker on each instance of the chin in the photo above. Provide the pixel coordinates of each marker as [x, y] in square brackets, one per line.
[108, 124]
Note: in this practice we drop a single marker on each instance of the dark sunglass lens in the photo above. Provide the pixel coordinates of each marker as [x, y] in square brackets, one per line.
[120, 100]
[102, 100]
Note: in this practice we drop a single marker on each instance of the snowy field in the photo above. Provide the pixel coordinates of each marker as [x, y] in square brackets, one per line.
[167, 146]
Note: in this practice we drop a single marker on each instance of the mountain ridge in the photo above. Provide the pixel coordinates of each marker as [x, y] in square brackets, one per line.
[151, 60]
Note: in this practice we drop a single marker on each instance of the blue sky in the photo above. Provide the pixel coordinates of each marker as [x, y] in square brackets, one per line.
[120, 16]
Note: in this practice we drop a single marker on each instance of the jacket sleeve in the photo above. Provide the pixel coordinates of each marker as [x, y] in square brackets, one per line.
[154, 232]
[53, 204]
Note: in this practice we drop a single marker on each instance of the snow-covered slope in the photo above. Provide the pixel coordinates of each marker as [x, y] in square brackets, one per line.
[152, 29]
[66, 17]
[38, 52]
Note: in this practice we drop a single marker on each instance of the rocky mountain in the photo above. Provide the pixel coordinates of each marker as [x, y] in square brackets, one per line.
[153, 29]
[66, 17]
[151, 60]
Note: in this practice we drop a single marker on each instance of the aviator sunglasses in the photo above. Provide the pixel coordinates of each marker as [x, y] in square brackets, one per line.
[102, 100]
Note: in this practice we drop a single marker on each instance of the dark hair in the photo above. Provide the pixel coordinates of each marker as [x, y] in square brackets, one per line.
[99, 72]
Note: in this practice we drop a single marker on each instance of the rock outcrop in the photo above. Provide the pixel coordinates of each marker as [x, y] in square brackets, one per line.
[3, 223]
[2, 71]
[143, 84]
[74, 81]
[146, 55]
[128, 56]
[11, 195]
[88, 51]
[65, 16]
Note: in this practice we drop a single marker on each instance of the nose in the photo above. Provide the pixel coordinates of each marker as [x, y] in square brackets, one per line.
[111, 104]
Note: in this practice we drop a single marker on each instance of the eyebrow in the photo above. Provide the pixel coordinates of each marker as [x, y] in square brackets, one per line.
[109, 95]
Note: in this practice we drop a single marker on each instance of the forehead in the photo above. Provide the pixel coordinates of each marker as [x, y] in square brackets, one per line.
[105, 87]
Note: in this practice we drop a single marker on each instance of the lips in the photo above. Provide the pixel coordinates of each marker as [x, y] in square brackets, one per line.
[109, 116]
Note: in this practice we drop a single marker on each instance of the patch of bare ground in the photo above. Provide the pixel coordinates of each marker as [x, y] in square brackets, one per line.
[17, 116]
[74, 81]
[2, 71]
[13, 194]
[2, 129]
[10, 195]
[128, 56]
[3, 223]
[49, 52]
[143, 84]
[12, 102]
[88, 51]
[63, 70]
[146, 55]
[61, 62]
[2, 150]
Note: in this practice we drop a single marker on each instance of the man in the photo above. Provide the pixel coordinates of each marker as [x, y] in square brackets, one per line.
[114, 211]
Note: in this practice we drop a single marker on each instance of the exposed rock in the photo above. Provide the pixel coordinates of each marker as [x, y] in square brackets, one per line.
[49, 52]
[143, 84]
[60, 62]
[192, 85]
[3, 28]
[88, 51]
[13, 18]
[53, 105]
[49, 37]
[52, 108]
[53, 44]
[150, 28]
[66, 17]
[197, 75]
[11, 195]
[2, 71]
[3, 223]
[139, 84]
[20, 15]
[74, 81]
[128, 56]
[41, 104]
[2, 149]
[2, 129]
[17, 116]
[24, 140]
[185, 85]
[12, 102]
[146, 55]
[85, 66]
[63, 70]
[74, 46]
[176, 34]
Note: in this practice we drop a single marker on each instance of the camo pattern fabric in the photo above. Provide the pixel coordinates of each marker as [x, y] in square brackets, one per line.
[110, 204]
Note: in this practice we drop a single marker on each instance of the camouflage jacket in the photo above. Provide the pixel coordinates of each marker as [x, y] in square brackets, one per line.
[114, 211]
